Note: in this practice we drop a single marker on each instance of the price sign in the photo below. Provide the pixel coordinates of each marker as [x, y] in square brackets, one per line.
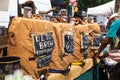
[43, 43]
[68, 41]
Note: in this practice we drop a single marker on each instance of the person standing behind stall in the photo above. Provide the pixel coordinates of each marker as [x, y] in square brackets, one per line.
[78, 19]
[63, 15]
[85, 20]
[32, 5]
[113, 31]
[90, 20]
[43, 13]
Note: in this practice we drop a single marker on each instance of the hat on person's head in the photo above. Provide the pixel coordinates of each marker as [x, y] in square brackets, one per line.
[113, 15]
[85, 18]
[78, 15]
[29, 4]
[63, 10]
[91, 18]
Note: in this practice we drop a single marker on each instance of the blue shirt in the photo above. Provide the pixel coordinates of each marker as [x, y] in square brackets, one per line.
[114, 29]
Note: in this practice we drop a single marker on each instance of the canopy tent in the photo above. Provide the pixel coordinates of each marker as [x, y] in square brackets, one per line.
[104, 9]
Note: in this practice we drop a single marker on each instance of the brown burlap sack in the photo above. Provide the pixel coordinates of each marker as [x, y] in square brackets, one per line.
[65, 59]
[88, 64]
[93, 29]
[83, 29]
[57, 62]
[76, 56]
[20, 44]
[57, 76]
[75, 71]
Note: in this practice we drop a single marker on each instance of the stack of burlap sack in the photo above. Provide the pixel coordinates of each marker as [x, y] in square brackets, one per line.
[67, 66]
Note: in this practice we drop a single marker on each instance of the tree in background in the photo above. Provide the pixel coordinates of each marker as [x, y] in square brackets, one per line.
[84, 4]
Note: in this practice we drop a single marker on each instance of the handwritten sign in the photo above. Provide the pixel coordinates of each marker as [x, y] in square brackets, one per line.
[43, 47]
[43, 43]
[84, 41]
[43, 61]
[96, 40]
[68, 41]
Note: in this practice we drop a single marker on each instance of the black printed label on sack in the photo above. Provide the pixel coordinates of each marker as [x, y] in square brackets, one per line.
[68, 43]
[43, 43]
[85, 42]
[43, 61]
[97, 40]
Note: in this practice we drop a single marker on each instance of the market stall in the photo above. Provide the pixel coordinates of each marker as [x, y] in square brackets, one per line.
[55, 50]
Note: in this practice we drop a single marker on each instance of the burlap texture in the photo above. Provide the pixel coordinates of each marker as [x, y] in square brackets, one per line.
[83, 29]
[75, 71]
[57, 76]
[88, 64]
[76, 56]
[92, 29]
[58, 62]
[21, 43]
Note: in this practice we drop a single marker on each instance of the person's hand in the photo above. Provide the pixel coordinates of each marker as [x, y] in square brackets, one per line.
[101, 55]
[54, 9]
[115, 56]
[95, 53]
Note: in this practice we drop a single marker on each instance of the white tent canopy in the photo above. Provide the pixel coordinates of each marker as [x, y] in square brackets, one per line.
[104, 9]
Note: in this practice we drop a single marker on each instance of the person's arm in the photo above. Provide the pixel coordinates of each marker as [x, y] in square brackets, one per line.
[115, 56]
[104, 43]
[103, 54]
[46, 12]
[109, 37]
